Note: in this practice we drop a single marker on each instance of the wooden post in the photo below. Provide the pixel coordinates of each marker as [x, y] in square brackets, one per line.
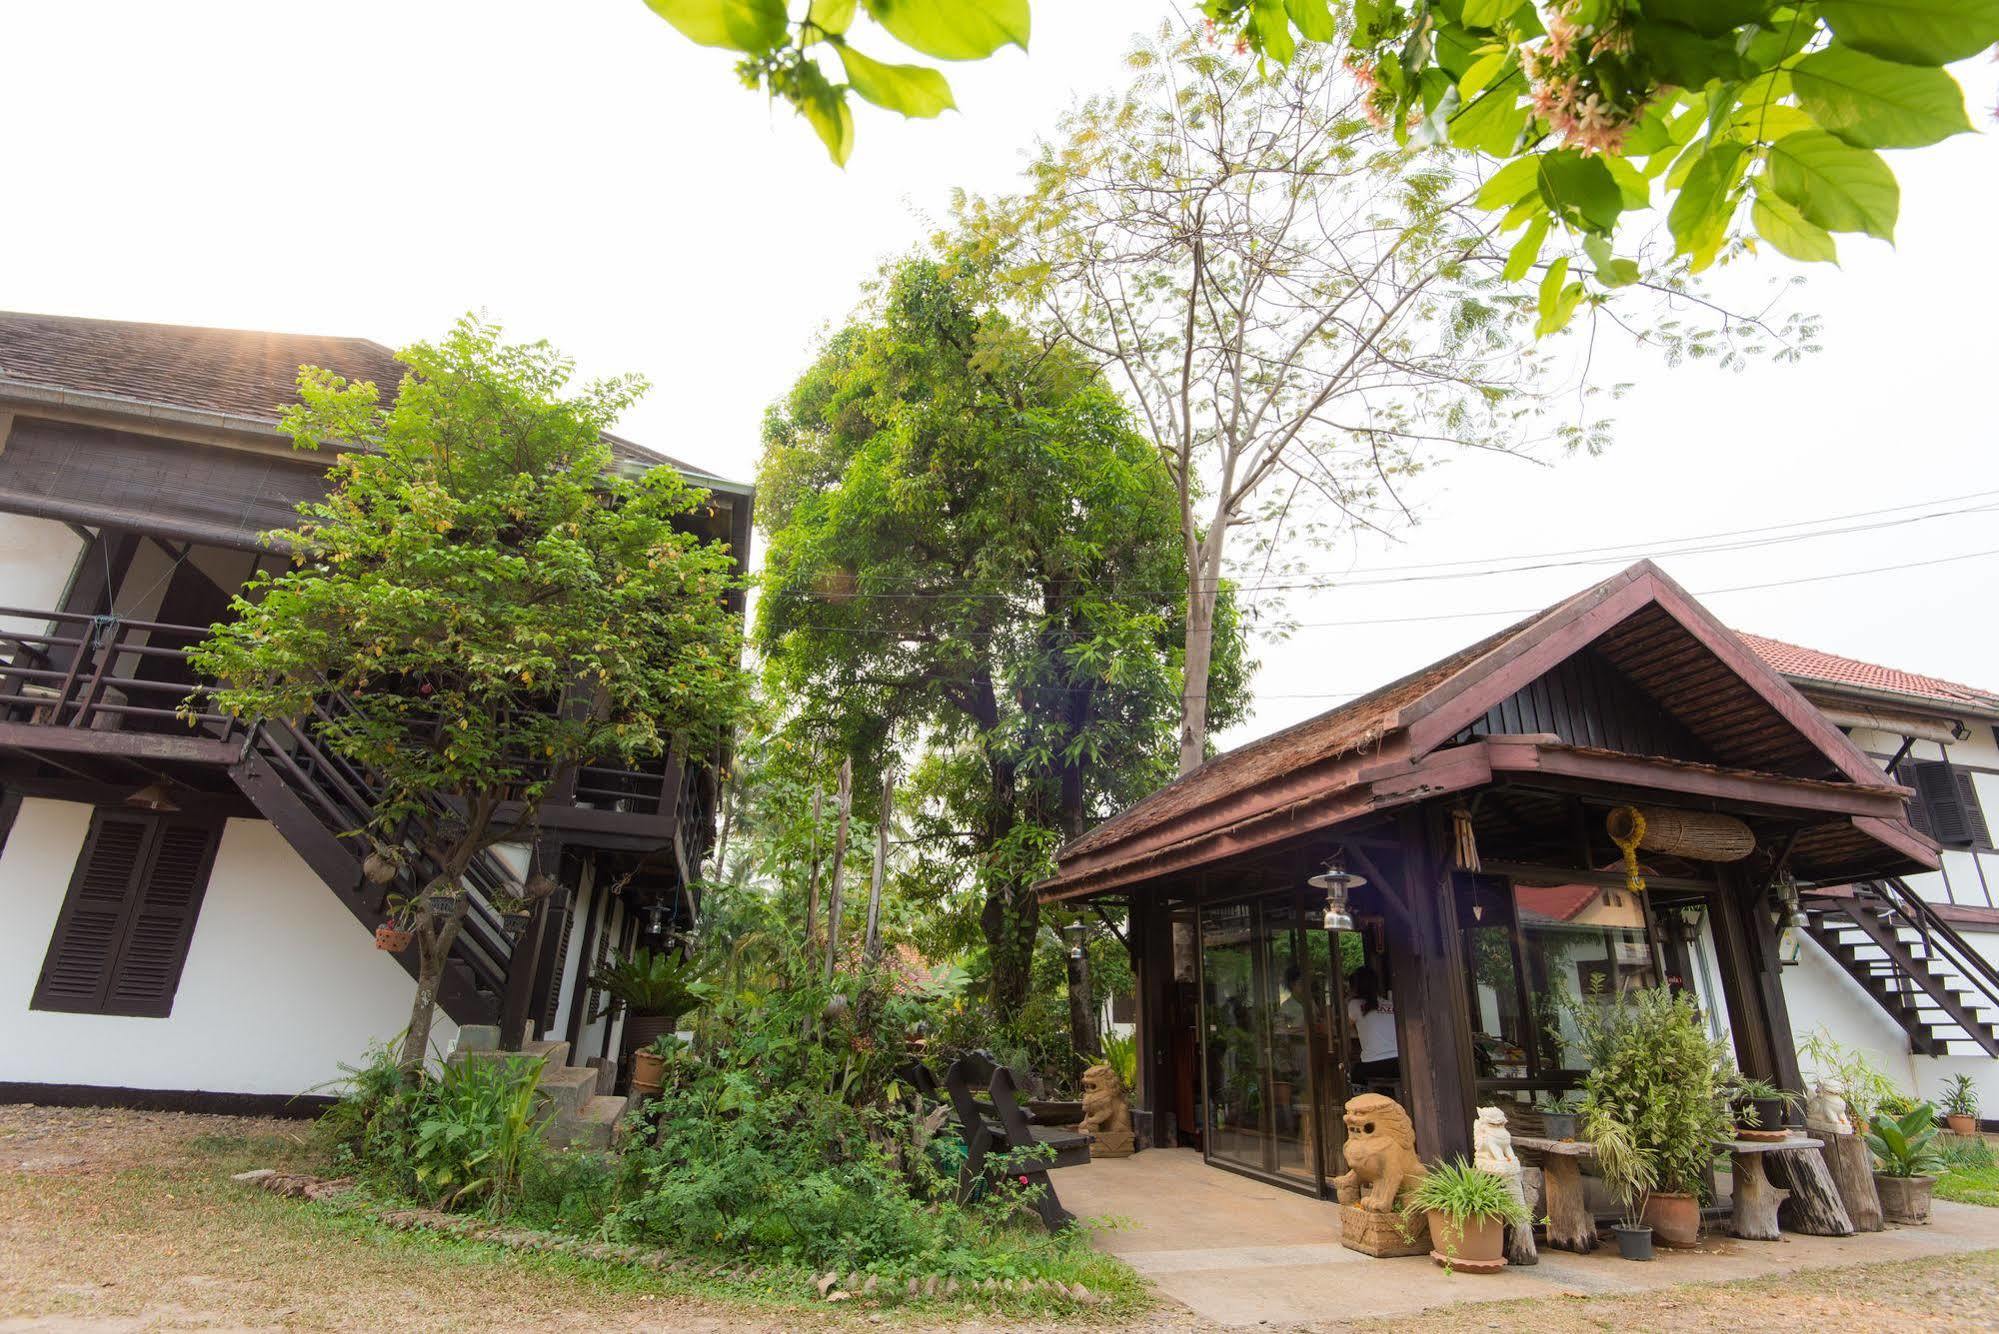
[812, 878]
[1852, 1168]
[1432, 1015]
[1571, 1226]
[843, 795]
[874, 939]
[1082, 1011]
[1152, 931]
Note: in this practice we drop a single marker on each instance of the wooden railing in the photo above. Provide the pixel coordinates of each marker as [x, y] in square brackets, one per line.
[85, 672]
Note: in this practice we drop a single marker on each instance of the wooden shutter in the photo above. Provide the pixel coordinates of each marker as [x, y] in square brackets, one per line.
[1936, 782]
[1919, 815]
[1974, 815]
[125, 928]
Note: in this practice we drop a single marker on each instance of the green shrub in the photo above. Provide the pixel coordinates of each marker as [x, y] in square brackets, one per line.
[660, 983]
[566, 1191]
[1905, 1146]
[1655, 1084]
[1463, 1194]
[1121, 1054]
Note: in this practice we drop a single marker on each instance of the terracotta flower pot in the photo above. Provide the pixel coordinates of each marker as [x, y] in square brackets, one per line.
[391, 939]
[1479, 1243]
[1904, 1199]
[1675, 1219]
[648, 1072]
[1962, 1125]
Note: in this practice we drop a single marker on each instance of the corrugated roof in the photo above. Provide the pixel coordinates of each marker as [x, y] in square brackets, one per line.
[238, 372]
[1811, 666]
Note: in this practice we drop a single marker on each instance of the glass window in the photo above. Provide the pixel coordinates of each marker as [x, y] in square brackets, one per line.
[1580, 945]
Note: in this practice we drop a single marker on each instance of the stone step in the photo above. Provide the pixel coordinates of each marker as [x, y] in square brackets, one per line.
[594, 1126]
[568, 1088]
[556, 1054]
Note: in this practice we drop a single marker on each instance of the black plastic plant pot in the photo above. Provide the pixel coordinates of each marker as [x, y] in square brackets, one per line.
[1769, 1113]
[1633, 1243]
[1559, 1125]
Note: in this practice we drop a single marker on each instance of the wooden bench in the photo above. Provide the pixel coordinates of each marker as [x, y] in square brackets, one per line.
[994, 1126]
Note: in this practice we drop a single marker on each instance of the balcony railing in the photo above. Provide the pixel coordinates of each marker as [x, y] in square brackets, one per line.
[102, 673]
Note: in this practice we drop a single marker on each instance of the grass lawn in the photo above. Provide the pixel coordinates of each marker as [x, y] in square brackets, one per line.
[130, 1218]
[1970, 1185]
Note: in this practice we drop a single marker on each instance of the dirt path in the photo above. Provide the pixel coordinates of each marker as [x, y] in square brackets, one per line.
[114, 1220]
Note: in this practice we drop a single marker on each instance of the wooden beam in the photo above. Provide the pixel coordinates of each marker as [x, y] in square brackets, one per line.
[1511, 755]
[37, 738]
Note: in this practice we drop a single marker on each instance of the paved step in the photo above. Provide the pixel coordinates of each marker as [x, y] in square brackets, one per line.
[555, 1054]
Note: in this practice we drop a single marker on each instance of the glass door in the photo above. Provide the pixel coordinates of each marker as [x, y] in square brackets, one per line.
[1271, 1040]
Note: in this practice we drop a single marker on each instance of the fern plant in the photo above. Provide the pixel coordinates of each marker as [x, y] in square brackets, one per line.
[658, 983]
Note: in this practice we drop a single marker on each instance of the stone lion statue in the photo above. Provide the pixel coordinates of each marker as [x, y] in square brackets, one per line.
[1492, 1142]
[1827, 1109]
[1380, 1152]
[1106, 1112]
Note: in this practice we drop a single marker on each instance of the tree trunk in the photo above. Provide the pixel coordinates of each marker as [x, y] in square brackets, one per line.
[873, 946]
[1082, 1011]
[844, 795]
[812, 877]
[433, 952]
[1011, 917]
[1204, 574]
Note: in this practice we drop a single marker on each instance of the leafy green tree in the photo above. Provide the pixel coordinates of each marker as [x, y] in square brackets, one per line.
[973, 554]
[493, 598]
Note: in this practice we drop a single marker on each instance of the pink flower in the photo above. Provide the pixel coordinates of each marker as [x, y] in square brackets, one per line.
[1561, 40]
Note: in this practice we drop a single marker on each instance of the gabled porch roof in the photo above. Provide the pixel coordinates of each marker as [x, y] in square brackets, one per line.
[1751, 743]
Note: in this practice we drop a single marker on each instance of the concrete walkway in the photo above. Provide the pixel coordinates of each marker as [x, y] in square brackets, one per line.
[1238, 1252]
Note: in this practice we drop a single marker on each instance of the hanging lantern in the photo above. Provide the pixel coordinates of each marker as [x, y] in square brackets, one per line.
[1078, 935]
[1337, 881]
[655, 918]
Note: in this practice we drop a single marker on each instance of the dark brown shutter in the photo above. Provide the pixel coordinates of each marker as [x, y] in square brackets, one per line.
[1919, 816]
[1937, 783]
[123, 936]
[1974, 815]
[156, 944]
[76, 975]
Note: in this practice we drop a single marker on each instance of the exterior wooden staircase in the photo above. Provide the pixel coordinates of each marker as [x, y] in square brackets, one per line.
[1943, 993]
[316, 799]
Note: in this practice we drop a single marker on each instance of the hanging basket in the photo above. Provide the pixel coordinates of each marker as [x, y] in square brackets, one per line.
[1703, 836]
[391, 939]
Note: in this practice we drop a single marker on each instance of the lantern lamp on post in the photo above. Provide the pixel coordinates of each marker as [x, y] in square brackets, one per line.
[1338, 882]
[1077, 935]
[655, 918]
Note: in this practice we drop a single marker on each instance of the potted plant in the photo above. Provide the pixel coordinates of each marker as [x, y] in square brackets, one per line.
[1656, 1080]
[655, 987]
[1760, 1104]
[393, 935]
[1630, 1173]
[1907, 1161]
[1960, 1105]
[1558, 1115]
[1468, 1209]
[649, 1064]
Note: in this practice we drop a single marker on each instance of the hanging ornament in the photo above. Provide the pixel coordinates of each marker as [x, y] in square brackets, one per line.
[1464, 840]
[1627, 830]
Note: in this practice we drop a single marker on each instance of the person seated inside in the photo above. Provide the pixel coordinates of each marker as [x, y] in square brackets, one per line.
[1371, 1020]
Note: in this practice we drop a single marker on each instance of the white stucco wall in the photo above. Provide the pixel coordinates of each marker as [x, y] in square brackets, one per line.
[282, 984]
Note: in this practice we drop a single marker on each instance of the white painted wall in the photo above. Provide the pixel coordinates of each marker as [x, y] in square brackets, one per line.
[282, 984]
[1969, 878]
[36, 558]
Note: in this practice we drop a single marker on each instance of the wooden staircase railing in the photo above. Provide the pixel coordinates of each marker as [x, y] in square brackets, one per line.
[1914, 964]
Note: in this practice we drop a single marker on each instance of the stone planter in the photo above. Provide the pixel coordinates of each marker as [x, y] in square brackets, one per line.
[1675, 1219]
[1962, 1125]
[1477, 1247]
[1904, 1199]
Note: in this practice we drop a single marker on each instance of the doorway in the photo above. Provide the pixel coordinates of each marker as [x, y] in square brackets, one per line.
[1273, 1041]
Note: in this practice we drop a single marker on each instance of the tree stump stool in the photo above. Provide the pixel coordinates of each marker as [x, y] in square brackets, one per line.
[1853, 1176]
[1814, 1206]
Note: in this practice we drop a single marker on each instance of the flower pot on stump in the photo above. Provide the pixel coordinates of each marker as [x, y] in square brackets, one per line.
[1904, 1199]
[1477, 1246]
[1675, 1219]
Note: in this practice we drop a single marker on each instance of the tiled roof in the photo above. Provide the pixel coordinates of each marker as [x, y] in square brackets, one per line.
[1810, 666]
[239, 372]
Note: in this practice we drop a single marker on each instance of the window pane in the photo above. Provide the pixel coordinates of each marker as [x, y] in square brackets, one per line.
[1582, 945]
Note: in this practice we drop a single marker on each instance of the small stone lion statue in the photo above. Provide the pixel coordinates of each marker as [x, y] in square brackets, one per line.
[1492, 1143]
[1827, 1108]
[1106, 1113]
[1380, 1153]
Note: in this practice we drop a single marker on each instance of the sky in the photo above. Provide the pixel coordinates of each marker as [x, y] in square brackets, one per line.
[582, 173]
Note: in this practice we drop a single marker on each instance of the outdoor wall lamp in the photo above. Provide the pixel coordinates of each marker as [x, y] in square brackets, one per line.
[1789, 918]
[655, 915]
[1337, 881]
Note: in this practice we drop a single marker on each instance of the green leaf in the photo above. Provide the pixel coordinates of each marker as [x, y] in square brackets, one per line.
[1915, 32]
[1701, 210]
[954, 29]
[1520, 259]
[1314, 19]
[1510, 184]
[1491, 123]
[912, 90]
[1272, 27]
[1558, 299]
[834, 16]
[1872, 103]
[1580, 190]
[832, 120]
[1610, 270]
[1710, 18]
[1835, 185]
[1779, 222]
[1482, 72]
[1488, 13]
[738, 25]
[1631, 183]
[1683, 57]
